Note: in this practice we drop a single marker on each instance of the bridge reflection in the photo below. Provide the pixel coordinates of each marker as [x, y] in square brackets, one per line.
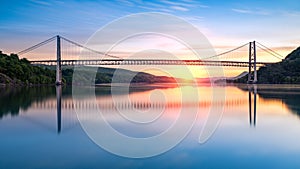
[252, 89]
[70, 104]
[58, 107]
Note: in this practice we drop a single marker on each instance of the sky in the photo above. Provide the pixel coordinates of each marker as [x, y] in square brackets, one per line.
[226, 24]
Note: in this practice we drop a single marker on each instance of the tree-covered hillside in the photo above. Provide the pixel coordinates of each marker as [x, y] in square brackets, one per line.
[284, 72]
[19, 71]
[15, 71]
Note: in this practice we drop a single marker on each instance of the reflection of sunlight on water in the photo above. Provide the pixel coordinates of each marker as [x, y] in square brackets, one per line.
[272, 106]
[172, 98]
[165, 102]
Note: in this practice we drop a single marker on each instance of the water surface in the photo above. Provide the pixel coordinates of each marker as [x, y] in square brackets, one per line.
[260, 127]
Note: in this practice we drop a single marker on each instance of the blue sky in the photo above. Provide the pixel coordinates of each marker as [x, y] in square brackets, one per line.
[227, 23]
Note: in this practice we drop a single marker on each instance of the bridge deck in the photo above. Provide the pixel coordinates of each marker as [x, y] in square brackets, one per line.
[148, 62]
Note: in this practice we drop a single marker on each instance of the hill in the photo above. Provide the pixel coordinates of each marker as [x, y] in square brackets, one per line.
[108, 75]
[15, 71]
[285, 72]
[232, 79]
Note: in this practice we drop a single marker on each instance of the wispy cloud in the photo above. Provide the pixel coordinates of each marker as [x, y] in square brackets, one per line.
[247, 11]
[185, 3]
[241, 10]
[179, 8]
[155, 9]
[202, 6]
[176, 3]
[194, 18]
[41, 2]
[291, 13]
[170, 6]
[127, 2]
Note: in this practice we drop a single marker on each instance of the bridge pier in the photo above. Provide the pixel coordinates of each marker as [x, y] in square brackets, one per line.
[58, 61]
[252, 74]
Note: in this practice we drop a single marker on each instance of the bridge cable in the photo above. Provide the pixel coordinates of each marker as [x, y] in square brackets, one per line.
[269, 52]
[89, 49]
[226, 52]
[36, 46]
[278, 55]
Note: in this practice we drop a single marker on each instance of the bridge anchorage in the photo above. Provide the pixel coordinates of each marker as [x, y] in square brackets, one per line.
[222, 59]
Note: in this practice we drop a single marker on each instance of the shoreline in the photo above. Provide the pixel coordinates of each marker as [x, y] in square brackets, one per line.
[159, 85]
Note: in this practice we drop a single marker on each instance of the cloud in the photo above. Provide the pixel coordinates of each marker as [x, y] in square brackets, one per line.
[127, 2]
[41, 2]
[291, 13]
[241, 11]
[179, 8]
[247, 11]
[185, 4]
[202, 6]
[155, 9]
[194, 18]
[170, 6]
[176, 3]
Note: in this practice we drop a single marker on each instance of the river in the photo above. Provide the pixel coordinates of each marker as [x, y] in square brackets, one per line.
[254, 126]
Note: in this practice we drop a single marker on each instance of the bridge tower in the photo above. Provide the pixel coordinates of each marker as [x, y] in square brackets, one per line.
[252, 74]
[58, 61]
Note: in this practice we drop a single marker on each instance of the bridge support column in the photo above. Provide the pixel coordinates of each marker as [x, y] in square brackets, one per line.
[58, 62]
[252, 74]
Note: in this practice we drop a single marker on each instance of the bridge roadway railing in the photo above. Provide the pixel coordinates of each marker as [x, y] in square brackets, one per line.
[147, 62]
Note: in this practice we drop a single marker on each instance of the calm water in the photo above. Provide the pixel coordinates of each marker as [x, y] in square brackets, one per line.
[256, 130]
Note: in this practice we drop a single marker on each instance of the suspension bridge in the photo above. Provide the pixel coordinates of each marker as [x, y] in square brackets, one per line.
[245, 56]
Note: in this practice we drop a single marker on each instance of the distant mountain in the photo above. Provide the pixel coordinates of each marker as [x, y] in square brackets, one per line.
[112, 75]
[243, 74]
[209, 80]
[285, 72]
[231, 79]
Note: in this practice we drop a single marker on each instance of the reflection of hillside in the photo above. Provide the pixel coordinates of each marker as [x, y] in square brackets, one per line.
[14, 99]
[291, 99]
[290, 95]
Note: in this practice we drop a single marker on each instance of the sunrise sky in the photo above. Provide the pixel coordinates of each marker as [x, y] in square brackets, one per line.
[226, 24]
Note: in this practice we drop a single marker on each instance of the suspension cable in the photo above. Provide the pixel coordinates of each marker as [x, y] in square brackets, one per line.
[261, 46]
[36, 46]
[279, 55]
[225, 52]
[89, 49]
[270, 52]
